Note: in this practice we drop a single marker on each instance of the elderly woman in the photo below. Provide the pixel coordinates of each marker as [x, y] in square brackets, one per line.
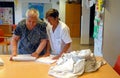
[31, 35]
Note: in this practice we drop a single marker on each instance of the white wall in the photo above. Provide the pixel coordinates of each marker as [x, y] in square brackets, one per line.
[18, 10]
[62, 10]
[111, 39]
[85, 23]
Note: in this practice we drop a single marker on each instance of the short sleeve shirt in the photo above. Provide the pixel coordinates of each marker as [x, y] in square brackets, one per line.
[30, 39]
[59, 37]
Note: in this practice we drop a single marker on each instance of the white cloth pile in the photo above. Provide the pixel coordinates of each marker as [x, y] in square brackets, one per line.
[75, 63]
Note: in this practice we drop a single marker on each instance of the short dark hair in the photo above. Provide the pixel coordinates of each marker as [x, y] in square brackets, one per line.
[52, 13]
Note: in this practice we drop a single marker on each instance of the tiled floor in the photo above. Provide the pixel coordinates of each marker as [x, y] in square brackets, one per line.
[75, 45]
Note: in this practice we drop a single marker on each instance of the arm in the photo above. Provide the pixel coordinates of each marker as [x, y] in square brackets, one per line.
[14, 43]
[40, 48]
[66, 47]
[48, 49]
[65, 36]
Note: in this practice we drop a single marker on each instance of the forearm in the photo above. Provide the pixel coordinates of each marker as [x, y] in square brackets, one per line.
[14, 43]
[48, 47]
[65, 49]
[41, 46]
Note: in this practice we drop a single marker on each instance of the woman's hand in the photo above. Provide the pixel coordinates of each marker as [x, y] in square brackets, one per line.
[56, 57]
[13, 54]
[46, 54]
[35, 54]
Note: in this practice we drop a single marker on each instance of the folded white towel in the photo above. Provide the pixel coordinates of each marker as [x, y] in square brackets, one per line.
[25, 57]
[47, 60]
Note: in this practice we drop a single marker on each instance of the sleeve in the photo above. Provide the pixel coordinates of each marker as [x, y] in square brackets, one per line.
[19, 27]
[43, 31]
[66, 35]
[17, 31]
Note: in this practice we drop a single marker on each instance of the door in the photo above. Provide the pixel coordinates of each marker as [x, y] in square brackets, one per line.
[73, 14]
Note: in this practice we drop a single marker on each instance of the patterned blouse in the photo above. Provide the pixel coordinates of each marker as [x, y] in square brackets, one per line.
[30, 39]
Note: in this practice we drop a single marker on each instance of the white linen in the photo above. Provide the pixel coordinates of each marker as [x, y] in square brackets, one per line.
[47, 60]
[70, 65]
[24, 57]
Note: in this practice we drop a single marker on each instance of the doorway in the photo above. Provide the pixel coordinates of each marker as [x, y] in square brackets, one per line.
[73, 18]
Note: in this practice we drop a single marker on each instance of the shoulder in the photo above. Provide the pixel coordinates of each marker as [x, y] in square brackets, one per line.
[22, 22]
[41, 26]
[41, 23]
[20, 27]
[63, 25]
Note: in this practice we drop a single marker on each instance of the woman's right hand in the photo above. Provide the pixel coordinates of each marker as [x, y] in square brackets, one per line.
[13, 54]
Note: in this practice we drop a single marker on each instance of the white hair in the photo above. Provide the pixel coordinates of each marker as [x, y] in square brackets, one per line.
[32, 12]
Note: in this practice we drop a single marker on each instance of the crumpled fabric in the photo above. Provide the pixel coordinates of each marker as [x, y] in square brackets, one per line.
[74, 64]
